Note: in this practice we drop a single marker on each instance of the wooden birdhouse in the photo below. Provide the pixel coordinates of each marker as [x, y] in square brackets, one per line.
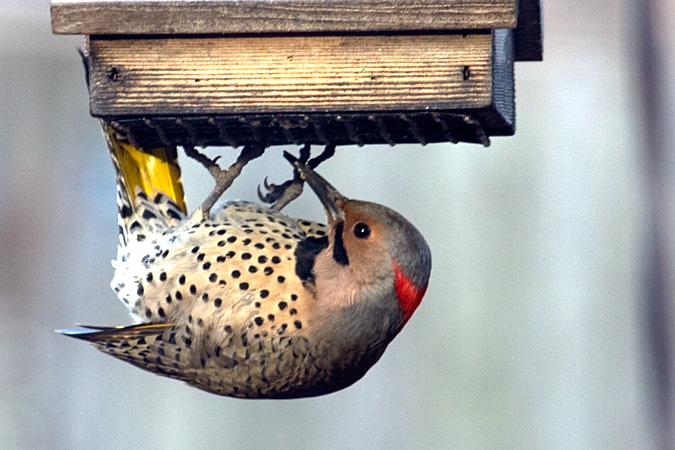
[235, 72]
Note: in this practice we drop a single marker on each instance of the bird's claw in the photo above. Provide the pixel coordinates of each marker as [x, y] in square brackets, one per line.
[274, 191]
[223, 177]
[280, 195]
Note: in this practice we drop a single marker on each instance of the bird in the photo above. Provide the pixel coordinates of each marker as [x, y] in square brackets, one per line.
[244, 301]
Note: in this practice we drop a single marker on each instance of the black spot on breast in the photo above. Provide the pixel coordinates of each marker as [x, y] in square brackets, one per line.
[305, 255]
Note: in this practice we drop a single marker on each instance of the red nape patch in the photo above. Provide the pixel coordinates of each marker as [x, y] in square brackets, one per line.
[409, 295]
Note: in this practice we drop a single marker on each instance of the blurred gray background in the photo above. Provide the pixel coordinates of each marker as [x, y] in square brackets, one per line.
[546, 324]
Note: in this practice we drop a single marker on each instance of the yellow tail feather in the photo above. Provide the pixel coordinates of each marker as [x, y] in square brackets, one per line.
[148, 169]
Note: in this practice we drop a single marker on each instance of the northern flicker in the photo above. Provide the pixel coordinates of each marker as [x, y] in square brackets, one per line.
[247, 302]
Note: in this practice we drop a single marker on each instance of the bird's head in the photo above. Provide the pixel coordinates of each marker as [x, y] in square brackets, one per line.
[373, 252]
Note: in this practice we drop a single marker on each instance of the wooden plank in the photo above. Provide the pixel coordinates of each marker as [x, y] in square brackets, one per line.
[182, 76]
[92, 17]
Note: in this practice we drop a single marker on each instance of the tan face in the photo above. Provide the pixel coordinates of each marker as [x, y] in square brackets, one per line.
[364, 240]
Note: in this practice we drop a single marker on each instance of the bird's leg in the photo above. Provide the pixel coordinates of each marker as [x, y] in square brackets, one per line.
[327, 152]
[280, 195]
[224, 178]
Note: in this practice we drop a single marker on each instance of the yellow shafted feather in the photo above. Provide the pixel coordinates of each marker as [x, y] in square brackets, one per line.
[148, 169]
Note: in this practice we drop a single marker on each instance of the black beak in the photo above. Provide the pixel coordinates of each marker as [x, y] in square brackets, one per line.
[328, 195]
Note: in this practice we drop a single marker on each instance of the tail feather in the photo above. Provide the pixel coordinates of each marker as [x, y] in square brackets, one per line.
[147, 180]
[148, 346]
[98, 334]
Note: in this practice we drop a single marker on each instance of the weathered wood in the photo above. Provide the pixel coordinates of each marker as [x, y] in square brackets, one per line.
[91, 17]
[339, 89]
[290, 74]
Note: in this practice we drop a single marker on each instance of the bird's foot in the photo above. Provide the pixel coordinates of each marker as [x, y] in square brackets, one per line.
[224, 177]
[280, 195]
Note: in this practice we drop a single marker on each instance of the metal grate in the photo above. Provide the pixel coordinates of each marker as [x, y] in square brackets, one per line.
[335, 129]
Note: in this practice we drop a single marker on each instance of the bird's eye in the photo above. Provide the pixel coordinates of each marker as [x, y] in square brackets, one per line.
[361, 230]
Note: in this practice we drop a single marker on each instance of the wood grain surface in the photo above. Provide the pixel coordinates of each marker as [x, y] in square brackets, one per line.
[91, 17]
[290, 74]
